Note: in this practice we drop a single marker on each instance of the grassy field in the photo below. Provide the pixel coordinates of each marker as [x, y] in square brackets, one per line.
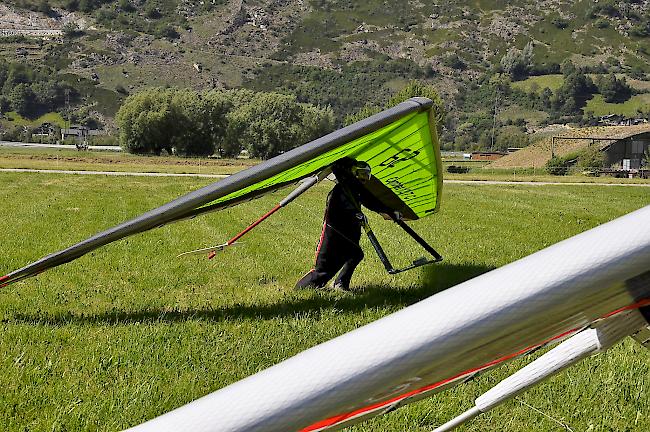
[52, 159]
[13, 118]
[129, 332]
[555, 81]
[598, 107]
[541, 82]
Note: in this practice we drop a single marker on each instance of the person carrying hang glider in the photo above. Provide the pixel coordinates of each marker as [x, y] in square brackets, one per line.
[400, 146]
[338, 249]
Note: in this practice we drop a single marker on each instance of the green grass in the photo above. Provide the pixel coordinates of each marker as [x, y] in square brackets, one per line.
[599, 107]
[553, 82]
[51, 117]
[129, 332]
[515, 112]
[55, 159]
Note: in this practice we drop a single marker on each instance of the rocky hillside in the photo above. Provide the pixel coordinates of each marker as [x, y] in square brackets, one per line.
[330, 52]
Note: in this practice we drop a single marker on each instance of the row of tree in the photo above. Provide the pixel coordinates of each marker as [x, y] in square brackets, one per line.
[191, 123]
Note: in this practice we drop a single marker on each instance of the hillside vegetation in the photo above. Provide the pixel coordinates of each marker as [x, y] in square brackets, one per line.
[525, 64]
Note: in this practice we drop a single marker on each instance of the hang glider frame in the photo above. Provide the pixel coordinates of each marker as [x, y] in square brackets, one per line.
[305, 184]
[396, 217]
[587, 342]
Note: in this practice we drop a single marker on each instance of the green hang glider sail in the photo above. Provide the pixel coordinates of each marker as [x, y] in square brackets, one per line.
[400, 145]
[404, 158]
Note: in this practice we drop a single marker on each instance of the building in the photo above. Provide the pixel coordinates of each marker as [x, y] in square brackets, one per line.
[80, 134]
[629, 153]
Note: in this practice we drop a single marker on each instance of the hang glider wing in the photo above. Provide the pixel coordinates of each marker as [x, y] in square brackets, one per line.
[400, 144]
[585, 291]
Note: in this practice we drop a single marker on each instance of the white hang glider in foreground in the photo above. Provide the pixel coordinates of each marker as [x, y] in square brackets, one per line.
[587, 292]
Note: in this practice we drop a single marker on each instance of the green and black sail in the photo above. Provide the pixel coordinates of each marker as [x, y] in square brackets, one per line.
[400, 144]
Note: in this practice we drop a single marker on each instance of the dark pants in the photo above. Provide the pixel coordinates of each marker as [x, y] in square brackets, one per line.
[338, 251]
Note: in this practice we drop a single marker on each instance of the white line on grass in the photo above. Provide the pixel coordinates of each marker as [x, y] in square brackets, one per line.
[154, 174]
[534, 183]
[111, 173]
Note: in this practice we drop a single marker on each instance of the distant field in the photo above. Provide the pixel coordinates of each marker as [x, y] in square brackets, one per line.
[553, 82]
[129, 332]
[515, 112]
[18, 120]
[123, 162]
[629, 108]
[539, 174]
[31, 158]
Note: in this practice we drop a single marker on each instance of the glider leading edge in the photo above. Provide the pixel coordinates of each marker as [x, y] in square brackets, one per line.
[400, 145]
[589, 291]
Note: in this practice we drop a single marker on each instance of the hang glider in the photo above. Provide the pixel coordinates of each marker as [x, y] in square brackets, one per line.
[400, 145]
[587, 292]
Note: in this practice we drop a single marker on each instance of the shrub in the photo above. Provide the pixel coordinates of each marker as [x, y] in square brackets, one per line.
[560, 23]
[121, 90]
[614, 90]
[560, 165]
[601, 23]
[591, 158]
[457, 169]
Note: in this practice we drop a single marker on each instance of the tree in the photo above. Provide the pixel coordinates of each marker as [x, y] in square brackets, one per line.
[126, 6]
[614, 90]
[454, 62]
[576, 89]
[591, 158]
[518, 63]
[44, 7]
[71, 30]
[17, 73]
[49, 94]
[175, 120]
[274, 123]
[419, 89]
[21, 100]
[145, 122]
[200, 122]
[413, 89]
[510, 136]
[72, 5]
